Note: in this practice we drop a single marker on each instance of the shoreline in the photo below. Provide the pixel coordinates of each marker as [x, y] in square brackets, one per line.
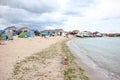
[91, 69]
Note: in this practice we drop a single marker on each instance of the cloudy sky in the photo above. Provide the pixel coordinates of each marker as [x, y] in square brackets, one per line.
[92, 15]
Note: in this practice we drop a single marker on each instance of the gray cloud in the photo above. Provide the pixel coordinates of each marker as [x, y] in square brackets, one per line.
[77, 7]
[42, 14]
[35, 6]
[81, 3]
[30, 13]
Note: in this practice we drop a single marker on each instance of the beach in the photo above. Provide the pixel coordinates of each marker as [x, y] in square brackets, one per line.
[40, 59]
[20, 48]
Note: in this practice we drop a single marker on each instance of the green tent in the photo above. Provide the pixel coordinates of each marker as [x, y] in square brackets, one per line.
[23, 35]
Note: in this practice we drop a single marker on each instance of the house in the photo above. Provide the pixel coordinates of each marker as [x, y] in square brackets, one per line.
[59, 32]
[56, 32]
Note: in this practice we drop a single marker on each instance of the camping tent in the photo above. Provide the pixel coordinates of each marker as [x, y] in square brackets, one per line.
[7, 35]
[14, 30]
[31, 34]
[23, 35]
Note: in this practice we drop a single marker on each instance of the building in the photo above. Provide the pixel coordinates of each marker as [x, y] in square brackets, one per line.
[56, 32]
[59, 32]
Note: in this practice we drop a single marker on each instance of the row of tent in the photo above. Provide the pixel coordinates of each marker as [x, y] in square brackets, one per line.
[26, 34]
[7, 34]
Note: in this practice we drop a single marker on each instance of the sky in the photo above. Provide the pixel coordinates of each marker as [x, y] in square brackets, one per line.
[82, 15]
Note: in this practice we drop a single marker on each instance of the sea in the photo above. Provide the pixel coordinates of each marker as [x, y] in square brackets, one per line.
[102, 54]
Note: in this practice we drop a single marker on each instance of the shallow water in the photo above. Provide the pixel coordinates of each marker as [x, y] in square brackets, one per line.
[102, 53]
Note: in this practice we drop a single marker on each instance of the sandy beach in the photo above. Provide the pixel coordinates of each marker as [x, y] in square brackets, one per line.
[18, 49]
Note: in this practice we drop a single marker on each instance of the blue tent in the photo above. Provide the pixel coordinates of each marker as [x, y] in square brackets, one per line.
[7, 34]
[49, 34]
[31, 34]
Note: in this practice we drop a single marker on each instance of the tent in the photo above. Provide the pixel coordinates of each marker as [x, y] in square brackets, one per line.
[23, 35]
[3, 36]
[31, 34]
[13, 28]
[7, 35]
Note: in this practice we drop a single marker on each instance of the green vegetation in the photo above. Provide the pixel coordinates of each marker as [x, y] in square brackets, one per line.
[72, 71]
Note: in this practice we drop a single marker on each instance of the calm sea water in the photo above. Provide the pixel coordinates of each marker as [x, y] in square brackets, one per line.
[103, 53]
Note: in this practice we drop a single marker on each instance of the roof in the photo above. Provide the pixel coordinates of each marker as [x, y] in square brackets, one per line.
[56, 30]
[75, 31]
